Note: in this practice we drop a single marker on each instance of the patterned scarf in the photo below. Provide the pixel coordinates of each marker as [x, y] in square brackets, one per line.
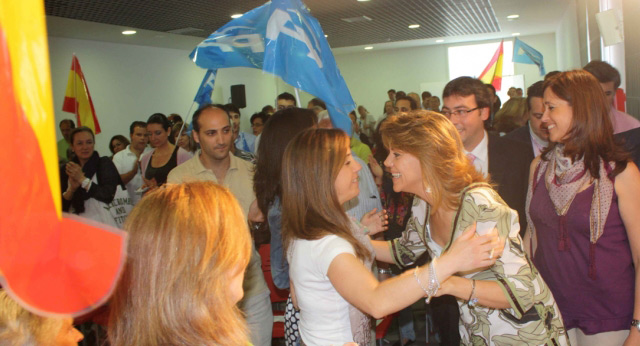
[564, 180]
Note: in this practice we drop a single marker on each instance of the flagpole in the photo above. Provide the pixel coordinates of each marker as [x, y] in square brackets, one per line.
[298, 97]
[186, 120]
[75, 91]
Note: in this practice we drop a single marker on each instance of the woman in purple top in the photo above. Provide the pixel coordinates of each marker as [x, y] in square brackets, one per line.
[583, 209]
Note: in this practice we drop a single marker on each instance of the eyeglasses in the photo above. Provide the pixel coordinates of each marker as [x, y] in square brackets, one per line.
[460, 113]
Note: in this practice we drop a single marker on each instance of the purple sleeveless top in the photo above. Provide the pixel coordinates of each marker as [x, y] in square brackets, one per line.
[594, 304]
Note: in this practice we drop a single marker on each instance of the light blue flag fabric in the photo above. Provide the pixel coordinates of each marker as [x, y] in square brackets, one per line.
[203, 96]
[525, 54]
[281, 38]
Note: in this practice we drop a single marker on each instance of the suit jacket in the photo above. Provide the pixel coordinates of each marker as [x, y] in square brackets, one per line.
[631, 141]
[521, 134]
[509, 163]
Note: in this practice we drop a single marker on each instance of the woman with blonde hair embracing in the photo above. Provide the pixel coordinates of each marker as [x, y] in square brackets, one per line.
[330, 255]
[187, 252]
[506, 303]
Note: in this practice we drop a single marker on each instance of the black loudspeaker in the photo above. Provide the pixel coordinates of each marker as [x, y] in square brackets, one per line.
[238, 97]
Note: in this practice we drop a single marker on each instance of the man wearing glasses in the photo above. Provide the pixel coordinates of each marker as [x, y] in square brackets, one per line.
[467, 103]
[534, 134]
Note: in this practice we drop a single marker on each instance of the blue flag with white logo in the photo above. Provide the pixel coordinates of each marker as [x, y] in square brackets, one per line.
[203, 96]
[282, 38]
[525, 54]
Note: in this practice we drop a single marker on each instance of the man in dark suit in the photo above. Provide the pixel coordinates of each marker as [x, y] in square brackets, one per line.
[534, 134]
[631, 141]
[467, 104]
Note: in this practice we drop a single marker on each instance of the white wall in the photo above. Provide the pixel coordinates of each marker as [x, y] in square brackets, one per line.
[129, 82]
[126, 82]
[567, 41]
[369, 74]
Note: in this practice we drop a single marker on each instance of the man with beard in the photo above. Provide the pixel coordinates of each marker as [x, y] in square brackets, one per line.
[212, 129]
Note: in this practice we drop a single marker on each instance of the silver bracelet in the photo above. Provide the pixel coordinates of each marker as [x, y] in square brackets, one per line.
[434, 284]
[384, 271]
[86, 183]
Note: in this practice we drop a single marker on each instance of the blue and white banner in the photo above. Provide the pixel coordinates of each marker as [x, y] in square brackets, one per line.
[525, 54]
[203, 96]
[282, 38]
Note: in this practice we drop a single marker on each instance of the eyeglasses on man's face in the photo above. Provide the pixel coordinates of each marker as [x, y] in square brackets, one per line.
[460, 113]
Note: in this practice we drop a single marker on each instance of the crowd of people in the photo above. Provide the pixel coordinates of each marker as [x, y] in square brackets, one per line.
[517, 221]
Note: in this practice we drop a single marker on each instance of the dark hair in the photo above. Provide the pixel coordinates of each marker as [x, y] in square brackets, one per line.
[551, 74]
[466, 86]
[121, 138]
[412, 102]
[72, 125]
[278, 131]
[316, 102]
[391, 91]
[78, 130]
[535, 90]
[491, 87]
[175, 118]
[425, 94]
[230, 107]
[591, 133]
[286, 96]
[604, 72]
[400, 93]
[196, 114]
[160, 119]
[267, 109]
[261, 115]
[135, 124]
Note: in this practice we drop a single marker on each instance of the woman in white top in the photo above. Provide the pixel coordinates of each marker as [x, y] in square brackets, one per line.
[329, 255]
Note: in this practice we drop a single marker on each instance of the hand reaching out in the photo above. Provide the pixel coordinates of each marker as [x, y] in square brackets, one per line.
[375, 221]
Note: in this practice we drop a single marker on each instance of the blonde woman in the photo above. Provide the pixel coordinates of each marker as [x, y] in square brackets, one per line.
[21, 327]
[330, 255]
[188, 249]
[504, 303]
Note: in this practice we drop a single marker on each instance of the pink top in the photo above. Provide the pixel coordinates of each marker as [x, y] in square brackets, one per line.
[622, 121]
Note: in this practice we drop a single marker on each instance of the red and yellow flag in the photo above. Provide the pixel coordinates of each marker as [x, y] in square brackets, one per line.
[49, 262]
[77, 99]
[492, 74]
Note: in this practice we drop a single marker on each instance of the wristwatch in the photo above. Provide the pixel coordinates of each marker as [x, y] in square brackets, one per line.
[635, 323]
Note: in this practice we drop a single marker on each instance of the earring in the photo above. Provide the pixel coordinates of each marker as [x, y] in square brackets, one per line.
[427, 190]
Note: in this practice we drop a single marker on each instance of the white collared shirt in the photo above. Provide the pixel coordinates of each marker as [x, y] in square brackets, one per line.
[124, 161]
[537, 142]
[481, 153]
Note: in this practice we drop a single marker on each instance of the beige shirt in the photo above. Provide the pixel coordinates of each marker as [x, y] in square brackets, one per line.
[239, 180]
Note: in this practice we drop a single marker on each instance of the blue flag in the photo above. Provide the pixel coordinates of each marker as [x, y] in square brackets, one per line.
[203, 96]
[281, 38]
[525, 54]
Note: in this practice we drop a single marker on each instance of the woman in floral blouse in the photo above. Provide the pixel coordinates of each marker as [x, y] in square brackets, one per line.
[507, 303]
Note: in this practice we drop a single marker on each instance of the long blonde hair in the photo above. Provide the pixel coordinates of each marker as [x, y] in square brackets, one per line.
[310, 206]
[433, 139]
[185, 242]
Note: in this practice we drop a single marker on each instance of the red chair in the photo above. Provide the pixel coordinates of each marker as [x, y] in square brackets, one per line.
[277, 295]
[383, 327]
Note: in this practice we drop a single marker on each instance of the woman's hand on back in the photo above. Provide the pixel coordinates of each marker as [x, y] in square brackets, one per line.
[470, 252]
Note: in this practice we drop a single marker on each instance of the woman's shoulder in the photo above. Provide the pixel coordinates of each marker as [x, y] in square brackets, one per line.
[482, 195]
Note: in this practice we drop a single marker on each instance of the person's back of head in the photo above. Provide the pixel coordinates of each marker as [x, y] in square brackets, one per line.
[316, 102]
[604, 72]
[188, 248]
[282, 126]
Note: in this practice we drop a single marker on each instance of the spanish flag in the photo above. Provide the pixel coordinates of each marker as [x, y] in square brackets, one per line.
[77, 99]
[50, 262]
[492, 74]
